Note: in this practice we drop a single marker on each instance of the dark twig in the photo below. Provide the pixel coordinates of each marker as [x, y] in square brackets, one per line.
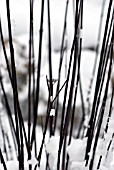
[38, 75]
[2, 160]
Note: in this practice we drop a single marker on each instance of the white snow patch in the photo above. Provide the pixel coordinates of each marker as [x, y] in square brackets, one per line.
[76, 150]
[53, 145]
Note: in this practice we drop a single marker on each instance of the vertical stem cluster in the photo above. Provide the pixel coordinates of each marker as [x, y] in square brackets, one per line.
[72, 83]
[76, 55]
[104, 56]
[38, 74]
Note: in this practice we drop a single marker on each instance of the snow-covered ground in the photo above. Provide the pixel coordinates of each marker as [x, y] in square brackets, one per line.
[76, 151]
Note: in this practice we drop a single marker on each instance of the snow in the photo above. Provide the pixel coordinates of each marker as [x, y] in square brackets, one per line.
[78, 166]
[52, 112]
[33, 161]
[101, 147]
[111, 124]
[103, 168]
[89, 33]
[53, 145]
[76, 150]
[14, 165]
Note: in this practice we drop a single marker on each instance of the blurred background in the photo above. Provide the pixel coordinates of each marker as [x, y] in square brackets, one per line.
[94, 16]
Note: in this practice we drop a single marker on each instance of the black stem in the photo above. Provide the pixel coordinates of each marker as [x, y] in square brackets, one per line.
[38, 75]
[2, 160]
